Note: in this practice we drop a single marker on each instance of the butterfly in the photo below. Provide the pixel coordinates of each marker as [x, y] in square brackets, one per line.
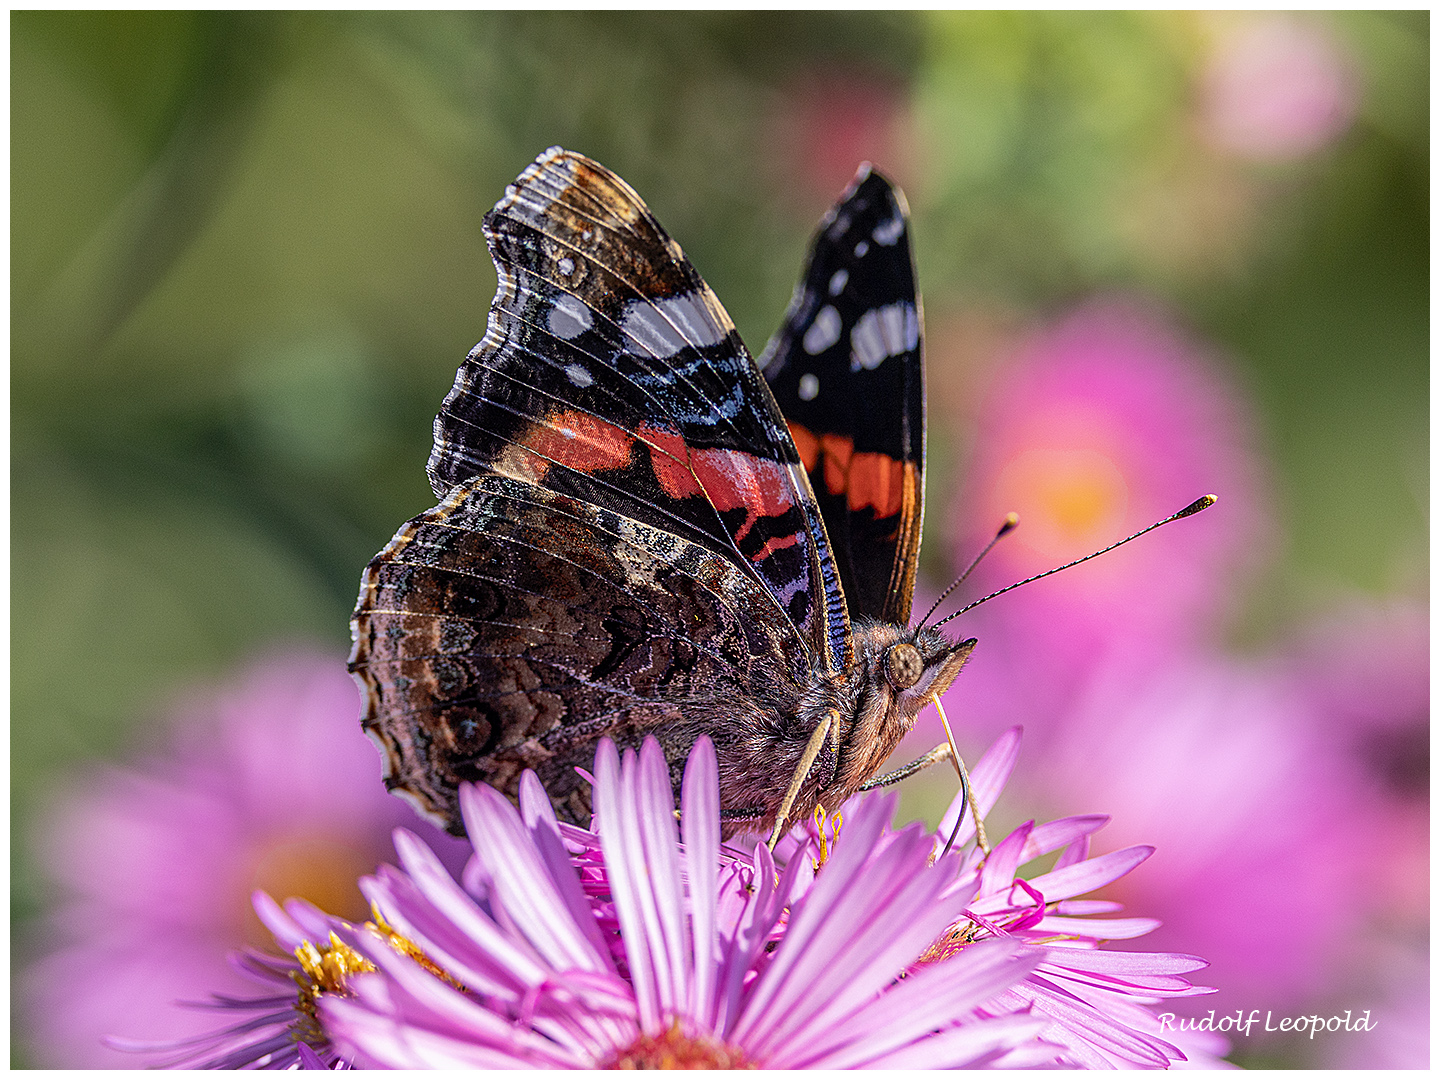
[643, 531]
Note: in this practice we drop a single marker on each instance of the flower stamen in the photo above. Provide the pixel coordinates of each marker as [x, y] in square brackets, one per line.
[835, 823]
[405, 947]
[322, 971]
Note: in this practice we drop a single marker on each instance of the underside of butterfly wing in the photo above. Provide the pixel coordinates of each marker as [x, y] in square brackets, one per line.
[610, 372]
[512, 627]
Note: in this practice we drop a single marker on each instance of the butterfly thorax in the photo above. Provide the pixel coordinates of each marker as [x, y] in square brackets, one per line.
[876, 700]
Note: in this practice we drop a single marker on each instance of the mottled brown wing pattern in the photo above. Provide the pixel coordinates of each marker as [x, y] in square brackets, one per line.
[511, 627]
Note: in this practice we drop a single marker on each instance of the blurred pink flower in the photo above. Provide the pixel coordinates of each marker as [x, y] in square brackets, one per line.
[1103, 423]
[269, 784]
[1276, 87]
[1364, 675]
[1259, 867]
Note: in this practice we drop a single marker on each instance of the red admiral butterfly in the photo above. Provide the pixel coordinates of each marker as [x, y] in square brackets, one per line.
[640, 534]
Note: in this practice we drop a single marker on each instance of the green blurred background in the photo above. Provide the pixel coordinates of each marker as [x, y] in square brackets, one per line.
[246, 260]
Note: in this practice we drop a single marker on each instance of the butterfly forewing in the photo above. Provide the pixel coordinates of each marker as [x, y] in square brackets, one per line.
[610, 372]
[846, 371]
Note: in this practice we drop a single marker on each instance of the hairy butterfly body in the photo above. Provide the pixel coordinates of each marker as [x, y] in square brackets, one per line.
[640, 534]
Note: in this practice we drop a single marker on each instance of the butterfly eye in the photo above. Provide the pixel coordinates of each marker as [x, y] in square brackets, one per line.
[903, 665]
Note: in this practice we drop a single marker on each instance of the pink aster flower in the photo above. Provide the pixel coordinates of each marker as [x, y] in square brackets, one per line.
[1099, 425]
[671, 963]
[1095, 1002]
[623, 947]
[268, 783]
[1276, 87]
[1105, 422]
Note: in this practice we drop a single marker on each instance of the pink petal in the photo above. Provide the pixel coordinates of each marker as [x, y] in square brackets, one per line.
[959, 1047]
[999, 870]
[1056, 834]
[1102, 929]
[624, 860]
[862, 923]
[987, 780]
[550, 917]
[934, 997]
[1084, 877]
[655, 804]
[700, 826]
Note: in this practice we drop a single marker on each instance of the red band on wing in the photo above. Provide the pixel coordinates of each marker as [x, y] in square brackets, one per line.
[670, 461]
[730, 479]
[580, 441]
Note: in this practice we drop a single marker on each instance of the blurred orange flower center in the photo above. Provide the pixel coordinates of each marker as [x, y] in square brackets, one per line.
[321, 869]
[1067, 498]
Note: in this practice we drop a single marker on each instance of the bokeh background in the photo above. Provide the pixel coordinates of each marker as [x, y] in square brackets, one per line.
[246, 260]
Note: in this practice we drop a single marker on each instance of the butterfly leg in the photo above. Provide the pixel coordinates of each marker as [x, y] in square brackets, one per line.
[940, 753]
[802, 770]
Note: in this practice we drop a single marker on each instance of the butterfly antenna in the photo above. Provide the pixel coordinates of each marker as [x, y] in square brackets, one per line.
[1011, 520]
[1202, 503]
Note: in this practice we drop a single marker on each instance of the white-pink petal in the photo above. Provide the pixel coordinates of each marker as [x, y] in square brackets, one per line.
[700, 827]
[1092, 874]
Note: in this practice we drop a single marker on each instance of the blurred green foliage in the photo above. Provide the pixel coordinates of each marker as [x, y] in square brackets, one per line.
[246, 259]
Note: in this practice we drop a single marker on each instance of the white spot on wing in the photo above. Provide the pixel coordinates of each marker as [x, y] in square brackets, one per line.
[883, 332]
[887, 232]
[569, 318]
[663, 327]
[809, 387]
[567, 265]
[861, 248]
[838, 280]
[823, 332]
[578, 375]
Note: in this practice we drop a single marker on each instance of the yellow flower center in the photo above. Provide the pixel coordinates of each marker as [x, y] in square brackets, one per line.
[405, 947]
[322, 971]
[327, 971]
[1068, 499]
[673, 1049]
[952, 941]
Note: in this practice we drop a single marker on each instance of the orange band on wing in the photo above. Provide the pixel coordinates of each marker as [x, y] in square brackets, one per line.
[806, 443]
[865, 479]
[838, 451]
[875, 480]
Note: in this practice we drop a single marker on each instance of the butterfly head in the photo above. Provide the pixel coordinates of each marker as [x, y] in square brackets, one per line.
[909, 666]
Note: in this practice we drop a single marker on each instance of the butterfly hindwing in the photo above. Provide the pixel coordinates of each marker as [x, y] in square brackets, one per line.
[846, 370]
[511, 627]
[610, 372]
